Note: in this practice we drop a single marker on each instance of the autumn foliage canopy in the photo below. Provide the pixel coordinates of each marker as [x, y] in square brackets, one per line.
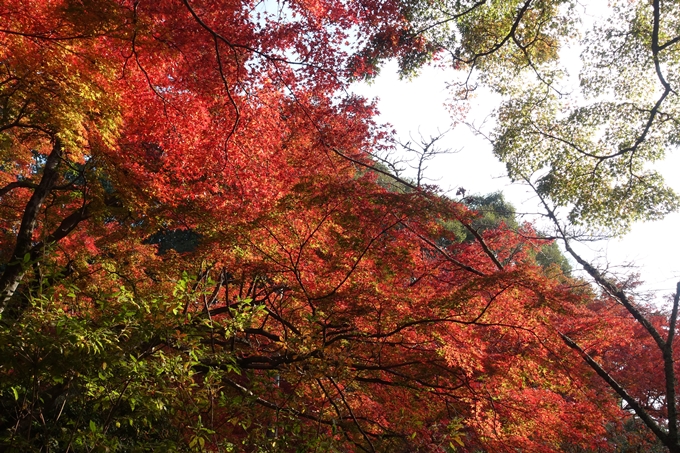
[200, 252]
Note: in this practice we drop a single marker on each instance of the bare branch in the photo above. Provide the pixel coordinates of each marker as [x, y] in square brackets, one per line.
[424, 149]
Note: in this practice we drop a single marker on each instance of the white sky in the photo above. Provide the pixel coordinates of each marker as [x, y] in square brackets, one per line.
[653, 247]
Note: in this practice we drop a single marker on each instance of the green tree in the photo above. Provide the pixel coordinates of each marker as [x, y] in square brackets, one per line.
[586, 140]
[589, 146]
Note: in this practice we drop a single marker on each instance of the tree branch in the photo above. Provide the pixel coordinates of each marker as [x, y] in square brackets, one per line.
[632, 402]
[15, 268]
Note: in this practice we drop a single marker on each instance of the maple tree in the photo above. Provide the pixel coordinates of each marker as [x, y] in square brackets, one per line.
[199, 253]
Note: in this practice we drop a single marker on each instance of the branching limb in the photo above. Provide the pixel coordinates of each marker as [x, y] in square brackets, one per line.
[424, 150]
[632, 402]
[351, 413]
[669, 370]
[484, 245]
[15, 185]
[670, 438]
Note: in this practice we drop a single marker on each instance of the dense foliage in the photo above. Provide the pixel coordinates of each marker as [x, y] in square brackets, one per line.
[199, 253]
